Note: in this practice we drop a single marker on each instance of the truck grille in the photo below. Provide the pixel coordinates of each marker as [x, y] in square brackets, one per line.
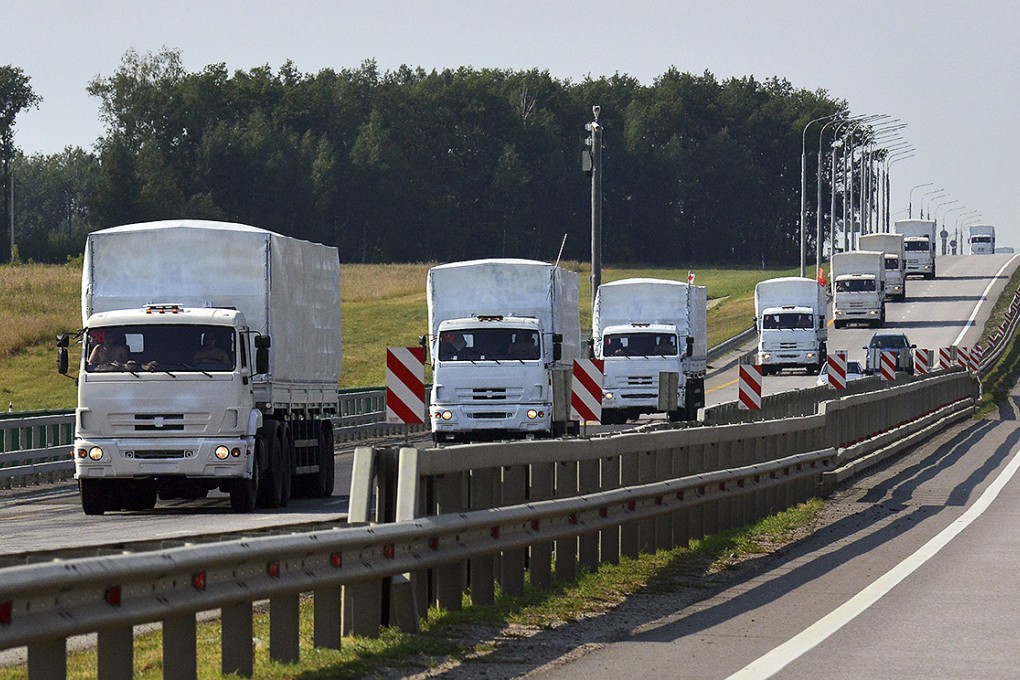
[160, 454]
[128, 423]
[490, 394]
[488, 415]
[639, 380]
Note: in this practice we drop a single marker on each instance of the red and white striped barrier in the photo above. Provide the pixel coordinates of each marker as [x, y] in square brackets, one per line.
[888, 365]
[922, 361]
[405, 385]
[586, 390]
[963, 356]
[975, 358]
[945, 357]
[837, 370]
[750, 387]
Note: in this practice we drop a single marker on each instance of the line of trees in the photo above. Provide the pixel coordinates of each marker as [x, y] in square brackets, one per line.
[415, 165]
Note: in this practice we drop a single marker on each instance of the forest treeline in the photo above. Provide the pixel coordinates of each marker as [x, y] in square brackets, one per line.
[414, 165]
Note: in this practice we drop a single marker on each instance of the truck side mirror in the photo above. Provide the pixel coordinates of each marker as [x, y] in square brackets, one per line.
[62, 354]
[690, 345]
[557, 348]
[590, 342]
[262, 345]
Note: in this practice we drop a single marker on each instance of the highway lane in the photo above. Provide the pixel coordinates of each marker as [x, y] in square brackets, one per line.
[914, 576]
[934, 315]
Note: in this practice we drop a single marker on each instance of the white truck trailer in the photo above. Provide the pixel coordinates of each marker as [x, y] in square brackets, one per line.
[641, 328]
[789, 314]
[210, 360]
[858, 288]
[503, 334]
[982, 239]
[918, 245]
[895, 262]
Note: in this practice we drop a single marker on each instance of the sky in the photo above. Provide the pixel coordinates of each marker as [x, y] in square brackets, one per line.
[949, 70]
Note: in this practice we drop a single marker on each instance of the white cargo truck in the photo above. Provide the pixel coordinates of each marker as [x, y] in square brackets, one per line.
[644, 327]
[210, 360]
[918, 245]
[858, 288]
[895, 262]
[789, 314]
[982, 239]
[503, 334]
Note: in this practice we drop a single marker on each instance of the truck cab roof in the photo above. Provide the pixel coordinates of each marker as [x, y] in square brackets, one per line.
[640, 328]
[490, 319]
[168, 314]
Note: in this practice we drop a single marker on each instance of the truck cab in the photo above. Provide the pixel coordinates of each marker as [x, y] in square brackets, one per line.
[635, 354]
[491, 378]
[165, 403]
[789, 338]
[858, 298]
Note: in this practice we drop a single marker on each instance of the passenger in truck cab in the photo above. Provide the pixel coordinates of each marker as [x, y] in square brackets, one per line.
[211, 351]
[109, 352]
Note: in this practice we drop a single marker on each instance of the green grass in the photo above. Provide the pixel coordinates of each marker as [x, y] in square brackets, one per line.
[382, 305]
[704, 563]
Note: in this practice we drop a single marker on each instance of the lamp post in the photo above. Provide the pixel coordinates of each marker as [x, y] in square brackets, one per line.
[935, 193]
[945, 218]
[910, 199]
[959, 231]
[898, 153]
[804, 180]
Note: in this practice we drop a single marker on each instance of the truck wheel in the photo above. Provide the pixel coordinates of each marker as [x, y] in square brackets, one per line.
[327, 461]
[287, 457]
[93, 496]
[245, 492]
[271, 484]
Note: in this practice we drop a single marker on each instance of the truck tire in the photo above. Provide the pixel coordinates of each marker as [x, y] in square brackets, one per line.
[93, 496]
[287, 456]
[271, 484]
[245, 492]
[327, 462]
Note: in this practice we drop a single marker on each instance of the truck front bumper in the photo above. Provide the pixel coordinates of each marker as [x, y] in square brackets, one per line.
[148, 458]
[510, 418]
[789, 358]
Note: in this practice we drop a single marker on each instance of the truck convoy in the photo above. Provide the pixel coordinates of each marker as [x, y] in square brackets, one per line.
[644, 327]
[982, 239]
[919, 246]
[789, 313]
[210, 360]
[858, 288]
[895, 262]
[503, 334]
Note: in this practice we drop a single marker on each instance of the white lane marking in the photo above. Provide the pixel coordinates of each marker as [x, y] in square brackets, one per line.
[984, 296]
[771, 663]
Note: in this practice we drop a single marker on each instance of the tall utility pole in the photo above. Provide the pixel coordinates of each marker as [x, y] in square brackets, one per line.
[595, 142]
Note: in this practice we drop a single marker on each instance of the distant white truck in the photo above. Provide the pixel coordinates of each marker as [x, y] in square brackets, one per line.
[790, 315]
[982, 239]
[643, 327]
[210, 360]
[895, 262]
[858, 288]
[503, 334]
[919, 246]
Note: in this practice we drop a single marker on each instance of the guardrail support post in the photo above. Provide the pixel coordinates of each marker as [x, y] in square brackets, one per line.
[284, 614]
[566, 548]
[681, 533]
[646, 527]
[326, 613]
[115, 649]
[481, 570]
[663, 523]
[610, 538]
[47, 659]
[588, 543]
[180, 648]
[629, 532]
[511, 563]
[450, 579]
[237, 653]
[543, 482]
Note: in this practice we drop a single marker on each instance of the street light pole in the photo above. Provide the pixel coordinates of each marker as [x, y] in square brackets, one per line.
[935, 193]
[596, 202]
[803, 184]
[910, 199]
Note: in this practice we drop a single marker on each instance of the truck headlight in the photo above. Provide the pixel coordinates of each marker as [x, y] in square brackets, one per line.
[873, 312]
[222, 452]
[446, 415]
[532, 414]
[95, 453]
[810, 355]
[607, 395]
[766, 356]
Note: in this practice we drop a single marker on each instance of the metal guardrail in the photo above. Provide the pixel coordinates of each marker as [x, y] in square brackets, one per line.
[34, 449]
[591, 501]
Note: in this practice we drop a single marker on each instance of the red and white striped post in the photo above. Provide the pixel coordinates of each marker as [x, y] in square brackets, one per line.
[963, 356]
[405, 385]
[922, 361]
[888, 365]
[750, 387]
[945, 357]
[975, 358]
[586, 390]
[837, 369]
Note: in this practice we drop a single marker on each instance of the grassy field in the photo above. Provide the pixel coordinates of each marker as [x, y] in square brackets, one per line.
[383, 305]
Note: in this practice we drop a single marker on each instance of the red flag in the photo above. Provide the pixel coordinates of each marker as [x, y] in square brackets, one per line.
[821, 278]
[690, 277]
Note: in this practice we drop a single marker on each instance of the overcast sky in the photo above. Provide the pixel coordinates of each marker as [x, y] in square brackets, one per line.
[950, 70]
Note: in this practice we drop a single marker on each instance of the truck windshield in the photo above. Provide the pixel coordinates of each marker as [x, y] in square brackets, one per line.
[489, 344]
[160, 347]
[787, 320]
[916, 246]
[855, 286]
[981, 239]
[639, 344]
[892, 263]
